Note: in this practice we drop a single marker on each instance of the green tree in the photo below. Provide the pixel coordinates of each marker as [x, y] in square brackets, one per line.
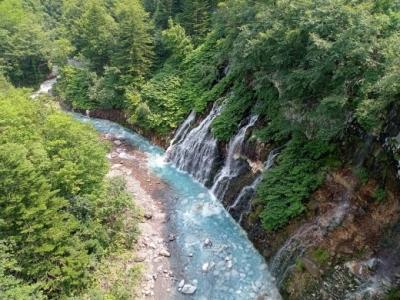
[23, 44]
[95, 34]
[134, 44]
[176, 41]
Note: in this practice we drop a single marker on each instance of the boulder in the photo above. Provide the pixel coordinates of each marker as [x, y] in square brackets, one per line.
[181, 283]
[140, 258]
[188, 289]
[164, 253]
[207, 243]
[205, 267]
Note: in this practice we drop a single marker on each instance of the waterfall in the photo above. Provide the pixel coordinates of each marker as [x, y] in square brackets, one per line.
[248, 192]
[195, 151]
[307, 236]
[183, 130]
[230, 169]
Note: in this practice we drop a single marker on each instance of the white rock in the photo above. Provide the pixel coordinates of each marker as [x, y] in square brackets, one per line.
[181, 283]
[229, 264]
[207, 243]
[188, 289]
[118, 142]
[205, 267]
[164, 253]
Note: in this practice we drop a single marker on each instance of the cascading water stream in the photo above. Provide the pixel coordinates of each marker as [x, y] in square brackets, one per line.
[248, 192]
[195, 152]
[45, 88]
[230, 169]
[307, 236]
[183, 130]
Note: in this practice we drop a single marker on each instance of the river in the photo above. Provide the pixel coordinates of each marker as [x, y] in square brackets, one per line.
[212, 249]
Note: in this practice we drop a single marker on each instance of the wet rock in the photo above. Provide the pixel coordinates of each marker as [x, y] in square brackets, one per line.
[311, 267]
[181, 283]
[372, 264]
[229, 264]
[164, 253]
[148, 215]
[188, 289]
[207, 243]
[205, 267]
[171, 237]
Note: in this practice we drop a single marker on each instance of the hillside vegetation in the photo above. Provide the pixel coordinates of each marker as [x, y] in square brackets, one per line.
[310, 69]
[315, 71]
[59, 215]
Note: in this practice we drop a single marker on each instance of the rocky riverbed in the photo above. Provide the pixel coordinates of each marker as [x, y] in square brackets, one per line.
[155, 247]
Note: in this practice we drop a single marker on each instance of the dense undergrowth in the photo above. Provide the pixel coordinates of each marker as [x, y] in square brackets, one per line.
[59, 216]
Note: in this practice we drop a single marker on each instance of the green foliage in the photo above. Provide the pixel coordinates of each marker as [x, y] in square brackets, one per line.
[23, 44]
[380, 194]
[93, 33]
[160, 108]
[58, 216]
[176, 42]
[225, 125]
[133, 52]
[119, 216]
[393, 294]
[300, 265]
[114, 48]
[12, 287]
[300, 170]
[362, 174]
[321, 256]
[196, 17]
[75, 85]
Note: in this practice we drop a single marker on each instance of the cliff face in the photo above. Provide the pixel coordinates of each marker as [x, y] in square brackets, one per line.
[346, 245]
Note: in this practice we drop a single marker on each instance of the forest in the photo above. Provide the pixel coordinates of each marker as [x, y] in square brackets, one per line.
[317, 73]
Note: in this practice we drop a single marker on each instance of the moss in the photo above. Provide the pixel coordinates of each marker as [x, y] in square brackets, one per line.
[321, 256]
[362, 175]
[379, 194]
[393, 294]
[300, 265]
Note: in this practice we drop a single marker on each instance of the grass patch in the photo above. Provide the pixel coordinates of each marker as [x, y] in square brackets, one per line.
[321, 256]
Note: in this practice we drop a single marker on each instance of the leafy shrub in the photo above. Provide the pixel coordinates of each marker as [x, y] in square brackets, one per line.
[299, 171]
